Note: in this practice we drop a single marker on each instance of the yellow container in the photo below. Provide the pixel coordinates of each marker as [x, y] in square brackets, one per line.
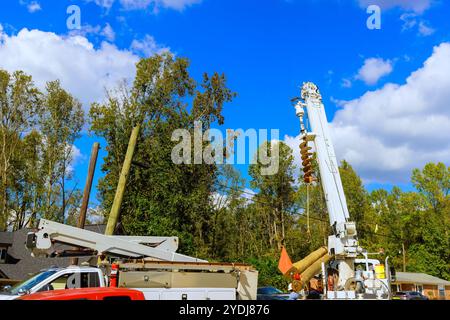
[380, 271]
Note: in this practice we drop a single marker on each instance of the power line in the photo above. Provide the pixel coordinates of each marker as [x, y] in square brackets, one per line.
[295, 213]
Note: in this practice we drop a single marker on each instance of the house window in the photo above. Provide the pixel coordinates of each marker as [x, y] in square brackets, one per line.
[419, 288]
[2, 255]
[441, 291]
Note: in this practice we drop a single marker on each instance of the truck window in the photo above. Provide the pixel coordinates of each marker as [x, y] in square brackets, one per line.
[30, 283]
[66, 281]
[89, 280]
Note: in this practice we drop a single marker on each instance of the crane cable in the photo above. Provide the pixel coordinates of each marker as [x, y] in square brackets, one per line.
[308, 230]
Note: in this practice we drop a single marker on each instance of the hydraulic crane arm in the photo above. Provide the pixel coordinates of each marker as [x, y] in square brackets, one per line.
[326, 158]
[42, 242]
[342, 243]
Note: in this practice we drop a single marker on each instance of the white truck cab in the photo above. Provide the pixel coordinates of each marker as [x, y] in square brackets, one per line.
[372, 274]
[57, 279]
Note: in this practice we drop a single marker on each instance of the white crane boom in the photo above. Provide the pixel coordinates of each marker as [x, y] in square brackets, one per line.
[41, 243]
[326, 158]
[342, 244]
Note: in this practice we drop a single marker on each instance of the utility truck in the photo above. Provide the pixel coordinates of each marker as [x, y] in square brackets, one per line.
[347, 271]
[148, 264]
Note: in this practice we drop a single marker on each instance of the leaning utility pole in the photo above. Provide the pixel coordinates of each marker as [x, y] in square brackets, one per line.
[87, 190]
[115, 210]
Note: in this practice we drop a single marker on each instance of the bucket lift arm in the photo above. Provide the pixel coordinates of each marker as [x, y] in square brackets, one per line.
[41, 243]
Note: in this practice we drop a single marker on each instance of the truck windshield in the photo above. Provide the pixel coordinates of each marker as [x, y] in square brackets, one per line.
[31, 282]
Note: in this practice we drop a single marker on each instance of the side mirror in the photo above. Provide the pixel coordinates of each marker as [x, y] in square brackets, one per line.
[6, 288]
[23, 292]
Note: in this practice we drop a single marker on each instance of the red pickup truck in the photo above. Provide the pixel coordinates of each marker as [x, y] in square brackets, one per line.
[87, 294]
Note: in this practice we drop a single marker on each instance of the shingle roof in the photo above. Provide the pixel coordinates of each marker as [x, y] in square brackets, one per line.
[26, 264]
[420, 278]
[6, 238]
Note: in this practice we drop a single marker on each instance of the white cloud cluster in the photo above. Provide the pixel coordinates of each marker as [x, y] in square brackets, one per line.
[373, 70]
[418, 6]
[76, 157]
[32, 6]
[412, 21]
[85, 71]
[386, 133]
[144, 4]
[147, 46]
[107, 31]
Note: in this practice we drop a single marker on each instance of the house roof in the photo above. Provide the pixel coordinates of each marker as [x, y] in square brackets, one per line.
[6, 238]
[24, 264]
[419, 278]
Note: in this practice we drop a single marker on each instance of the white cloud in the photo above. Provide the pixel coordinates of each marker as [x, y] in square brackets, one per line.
[412, 20]
[346, 83]
[86, 30]
[177, 4]
[32, 6]
[104, 3]
[418, 6]
[373, 70]
[135, 4]
[76, 157]
[409, 21]
[145, 4]
[425, 30]
[248, 194]
[147, 46]
[84, 70]
[108, 32]
[386, 133]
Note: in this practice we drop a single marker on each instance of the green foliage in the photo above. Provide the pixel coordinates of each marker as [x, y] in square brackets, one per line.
[276, 193]
[162, 198]
[415, 225]
[269, 275]
[37, 131]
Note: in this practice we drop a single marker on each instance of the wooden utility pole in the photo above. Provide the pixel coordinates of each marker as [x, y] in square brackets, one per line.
[115, 210]
[87, 190]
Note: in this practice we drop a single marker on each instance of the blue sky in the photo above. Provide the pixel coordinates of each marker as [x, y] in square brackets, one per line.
[385, 121]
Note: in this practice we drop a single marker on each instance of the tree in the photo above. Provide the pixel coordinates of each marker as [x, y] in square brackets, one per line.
[414, 225]
[162, 198]
[227, 223]
[60, 122]
[28, 183]
[19, 102]
[433, 182]
[357, 200]
[37, 133]
[276, 193]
